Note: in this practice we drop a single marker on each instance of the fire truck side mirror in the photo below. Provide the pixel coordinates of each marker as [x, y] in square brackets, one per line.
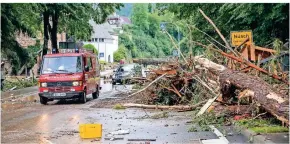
[86, 68]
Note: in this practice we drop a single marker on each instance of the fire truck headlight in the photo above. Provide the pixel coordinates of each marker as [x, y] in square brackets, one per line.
[76, 83]
[43, 84]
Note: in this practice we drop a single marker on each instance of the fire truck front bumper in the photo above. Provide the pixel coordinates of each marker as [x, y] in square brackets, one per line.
[64, 95]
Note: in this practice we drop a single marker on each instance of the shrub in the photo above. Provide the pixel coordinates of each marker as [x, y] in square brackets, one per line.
[120, 53]
[91, 47]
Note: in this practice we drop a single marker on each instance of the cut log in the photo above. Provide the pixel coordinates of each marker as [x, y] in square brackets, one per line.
[174, 107]
[273, 102]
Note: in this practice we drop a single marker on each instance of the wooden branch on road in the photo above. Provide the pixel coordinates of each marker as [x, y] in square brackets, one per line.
[148, 85]
[175, 107]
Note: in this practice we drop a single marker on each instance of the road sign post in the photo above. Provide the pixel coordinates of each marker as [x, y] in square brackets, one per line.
[238, 37]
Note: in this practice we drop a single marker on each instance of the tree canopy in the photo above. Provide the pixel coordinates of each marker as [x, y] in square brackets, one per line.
[73, 18]
[267, 21]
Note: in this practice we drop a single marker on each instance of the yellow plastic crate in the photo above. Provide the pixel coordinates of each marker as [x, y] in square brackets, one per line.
[90, 130]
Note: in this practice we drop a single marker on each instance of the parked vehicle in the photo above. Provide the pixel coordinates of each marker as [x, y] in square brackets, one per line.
[71, 74]
[125, 72]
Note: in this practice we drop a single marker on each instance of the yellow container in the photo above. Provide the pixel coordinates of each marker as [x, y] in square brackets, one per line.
[90, 130]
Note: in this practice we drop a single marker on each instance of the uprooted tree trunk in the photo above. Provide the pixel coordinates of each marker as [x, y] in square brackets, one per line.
[259, 90]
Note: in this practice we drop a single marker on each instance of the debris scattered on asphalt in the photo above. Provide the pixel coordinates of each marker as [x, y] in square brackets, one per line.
[120, 132]
[141, 139]
[94, 140]
[114, 138]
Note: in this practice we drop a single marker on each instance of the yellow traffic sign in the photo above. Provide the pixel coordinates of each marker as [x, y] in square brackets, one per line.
[238, 37]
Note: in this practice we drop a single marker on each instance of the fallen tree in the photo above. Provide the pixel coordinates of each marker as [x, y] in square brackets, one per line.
[259, 90]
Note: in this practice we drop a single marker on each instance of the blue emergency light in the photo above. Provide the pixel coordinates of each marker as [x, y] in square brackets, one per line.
[53, 50]
[77, 50]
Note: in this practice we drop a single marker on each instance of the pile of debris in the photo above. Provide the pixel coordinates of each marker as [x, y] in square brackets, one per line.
[201, 81]
[176, 83]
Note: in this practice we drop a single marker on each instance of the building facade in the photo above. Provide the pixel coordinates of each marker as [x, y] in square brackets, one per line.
[105, 41]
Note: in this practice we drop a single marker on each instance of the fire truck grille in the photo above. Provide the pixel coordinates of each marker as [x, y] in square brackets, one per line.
[59, 89]
[59, 84]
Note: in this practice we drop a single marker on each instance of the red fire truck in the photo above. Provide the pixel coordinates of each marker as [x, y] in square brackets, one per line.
[73, 73]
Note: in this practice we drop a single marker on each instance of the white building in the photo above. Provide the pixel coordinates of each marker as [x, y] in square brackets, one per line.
[105, 40]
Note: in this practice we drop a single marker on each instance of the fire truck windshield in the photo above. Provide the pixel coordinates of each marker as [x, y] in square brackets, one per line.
[66, 64]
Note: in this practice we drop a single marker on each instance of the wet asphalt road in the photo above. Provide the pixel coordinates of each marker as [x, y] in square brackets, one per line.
[24, 120]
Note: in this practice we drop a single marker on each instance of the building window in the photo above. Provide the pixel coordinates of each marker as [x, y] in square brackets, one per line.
[101, 39]
[92, 39]
[101, 55]
[96, 40]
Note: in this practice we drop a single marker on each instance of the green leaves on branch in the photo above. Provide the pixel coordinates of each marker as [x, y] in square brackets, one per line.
[267, 21]
[91, 47]
[120, 53]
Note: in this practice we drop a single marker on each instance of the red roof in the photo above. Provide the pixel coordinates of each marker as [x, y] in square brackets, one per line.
[126, 20]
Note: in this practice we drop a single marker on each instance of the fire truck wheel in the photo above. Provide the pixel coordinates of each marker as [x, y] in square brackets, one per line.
[43, 100]
[83, 98]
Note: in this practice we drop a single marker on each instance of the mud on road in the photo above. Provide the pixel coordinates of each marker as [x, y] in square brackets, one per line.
[24, 120]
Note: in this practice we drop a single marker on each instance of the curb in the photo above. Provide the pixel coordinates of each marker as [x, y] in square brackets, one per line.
[252, 136]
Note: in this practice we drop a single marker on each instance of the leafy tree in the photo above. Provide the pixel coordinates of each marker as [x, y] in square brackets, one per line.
[16, 18]
[154, 24]
[145, 38]
[73, 18]
[150, 8]
[91, 47]
[140, 16]
[267, 21]
[120, 53]
[55, 17]
[126, 40]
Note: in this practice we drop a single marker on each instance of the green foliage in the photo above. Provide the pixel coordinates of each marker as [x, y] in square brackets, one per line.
[102, 62]
[145, 38]
[19, 84]
[91, 47]
[203, 121]
[28, 18]
[270, 129]
[267, 21]
[120, 53]
[119, 107]
[262, 125]
[33, 53]
[16, 18]
[140, 15]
